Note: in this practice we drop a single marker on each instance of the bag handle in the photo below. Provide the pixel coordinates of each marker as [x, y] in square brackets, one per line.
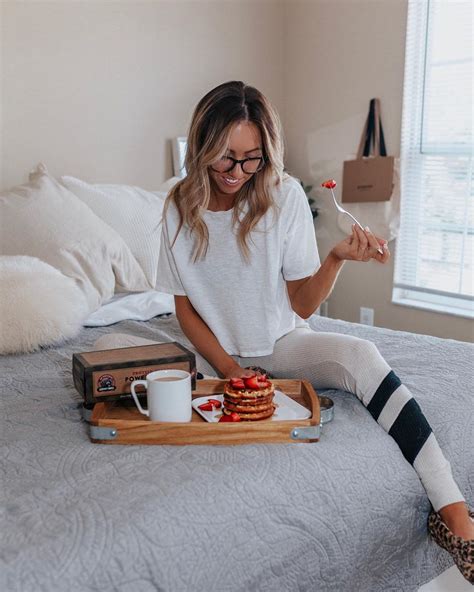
[363, 139]
[379, 141]
[372, 133]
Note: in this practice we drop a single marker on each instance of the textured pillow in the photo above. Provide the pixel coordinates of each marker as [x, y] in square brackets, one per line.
[44, 219]
[39, 305]
[133, 212]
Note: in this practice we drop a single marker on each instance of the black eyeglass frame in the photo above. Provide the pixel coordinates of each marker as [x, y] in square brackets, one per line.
[241, 162]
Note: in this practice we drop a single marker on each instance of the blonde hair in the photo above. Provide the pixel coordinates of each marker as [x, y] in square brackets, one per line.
[208, 139]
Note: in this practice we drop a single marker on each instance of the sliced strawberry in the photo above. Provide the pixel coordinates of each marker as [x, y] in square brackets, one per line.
[251, 382]
[265, 384]
[206, 406]
[238, 384]
[216, 403]
[230, 418]
[329, 184]
[238, 378]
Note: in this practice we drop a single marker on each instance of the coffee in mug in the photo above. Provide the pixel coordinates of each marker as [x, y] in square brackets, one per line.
[166, 379]
[168, 395]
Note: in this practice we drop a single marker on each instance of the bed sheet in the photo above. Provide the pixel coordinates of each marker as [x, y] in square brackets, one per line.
[347, 513]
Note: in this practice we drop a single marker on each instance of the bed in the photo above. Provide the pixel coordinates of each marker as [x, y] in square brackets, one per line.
[347, 513]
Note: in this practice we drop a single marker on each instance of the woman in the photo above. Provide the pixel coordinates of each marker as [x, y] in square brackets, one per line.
[239, 254]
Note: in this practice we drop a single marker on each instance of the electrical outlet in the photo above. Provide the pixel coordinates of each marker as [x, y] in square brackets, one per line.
[366, 316]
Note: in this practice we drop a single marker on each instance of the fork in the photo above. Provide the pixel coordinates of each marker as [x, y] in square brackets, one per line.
[329, 185]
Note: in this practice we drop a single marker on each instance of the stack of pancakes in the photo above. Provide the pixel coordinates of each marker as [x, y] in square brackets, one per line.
[251, 403]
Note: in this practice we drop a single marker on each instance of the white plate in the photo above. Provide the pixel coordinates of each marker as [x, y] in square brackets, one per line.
[287, 408]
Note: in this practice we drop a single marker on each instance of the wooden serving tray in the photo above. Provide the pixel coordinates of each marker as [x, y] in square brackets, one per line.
[119, 422]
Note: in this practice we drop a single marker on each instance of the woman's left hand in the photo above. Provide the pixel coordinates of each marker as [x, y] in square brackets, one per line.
[361, 245]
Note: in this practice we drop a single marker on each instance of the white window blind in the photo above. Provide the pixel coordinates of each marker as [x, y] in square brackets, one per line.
[434, 258]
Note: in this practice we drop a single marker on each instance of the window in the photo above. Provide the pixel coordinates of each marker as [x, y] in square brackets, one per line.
[434, 254]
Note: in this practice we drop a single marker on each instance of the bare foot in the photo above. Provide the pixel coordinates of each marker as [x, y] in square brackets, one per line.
[457, 519]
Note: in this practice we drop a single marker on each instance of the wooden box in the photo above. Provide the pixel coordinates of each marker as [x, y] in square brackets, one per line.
[106, 375]
[121, 423]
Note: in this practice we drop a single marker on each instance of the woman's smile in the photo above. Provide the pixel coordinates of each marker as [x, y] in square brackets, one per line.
[230, 181]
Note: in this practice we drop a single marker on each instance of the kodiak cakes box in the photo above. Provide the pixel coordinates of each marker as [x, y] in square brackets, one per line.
[107, 375]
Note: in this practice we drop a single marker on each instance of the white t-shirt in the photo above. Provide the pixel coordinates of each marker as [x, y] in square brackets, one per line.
[245, 304]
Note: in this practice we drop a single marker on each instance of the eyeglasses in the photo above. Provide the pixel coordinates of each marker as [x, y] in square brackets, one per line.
[249, 165]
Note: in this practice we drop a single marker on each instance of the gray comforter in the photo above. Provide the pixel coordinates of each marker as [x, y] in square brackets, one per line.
[345, 514]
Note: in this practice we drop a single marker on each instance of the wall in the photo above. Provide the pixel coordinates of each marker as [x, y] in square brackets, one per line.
[98, 89]
[341, 53]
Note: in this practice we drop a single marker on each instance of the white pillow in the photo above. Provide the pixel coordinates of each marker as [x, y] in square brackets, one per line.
[39, 306]
[45, 220]
[133, 212]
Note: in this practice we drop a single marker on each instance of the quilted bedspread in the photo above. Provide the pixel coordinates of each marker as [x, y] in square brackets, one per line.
[347, 513]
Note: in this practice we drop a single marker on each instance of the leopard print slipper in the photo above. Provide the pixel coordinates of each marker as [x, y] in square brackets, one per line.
[461, 550]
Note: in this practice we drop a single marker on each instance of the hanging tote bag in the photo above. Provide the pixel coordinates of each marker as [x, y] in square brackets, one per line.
[369, 177]
[381, 215]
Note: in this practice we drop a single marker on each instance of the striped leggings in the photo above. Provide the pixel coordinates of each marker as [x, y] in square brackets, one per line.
[330, 360]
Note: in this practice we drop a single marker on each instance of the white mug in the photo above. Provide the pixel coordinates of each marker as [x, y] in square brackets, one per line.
[168, 395]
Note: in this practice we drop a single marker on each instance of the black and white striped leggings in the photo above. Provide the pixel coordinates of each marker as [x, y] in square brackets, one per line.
[331, 360]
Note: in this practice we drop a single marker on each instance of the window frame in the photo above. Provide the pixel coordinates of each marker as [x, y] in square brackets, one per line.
[414, 155]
